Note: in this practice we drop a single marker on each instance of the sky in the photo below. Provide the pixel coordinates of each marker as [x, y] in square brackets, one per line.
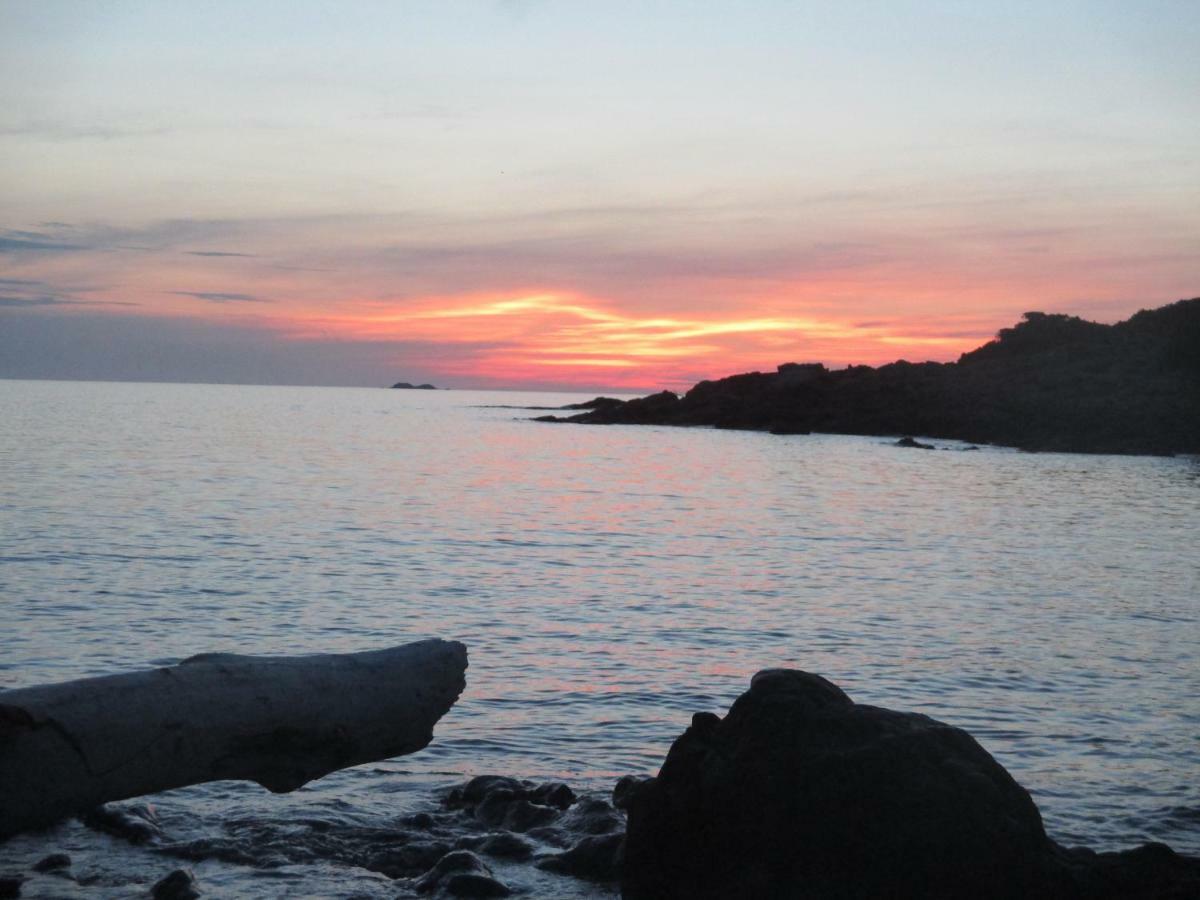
[580, 195]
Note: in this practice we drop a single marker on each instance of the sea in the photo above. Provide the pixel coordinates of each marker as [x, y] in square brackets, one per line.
[609, 582]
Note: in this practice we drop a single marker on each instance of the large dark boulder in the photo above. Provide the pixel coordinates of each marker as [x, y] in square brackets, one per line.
[801, 793]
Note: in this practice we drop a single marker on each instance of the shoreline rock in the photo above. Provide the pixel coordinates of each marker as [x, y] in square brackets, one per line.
[800, 791]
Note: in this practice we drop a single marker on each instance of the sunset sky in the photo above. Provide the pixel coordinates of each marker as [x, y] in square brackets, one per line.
[580, 194]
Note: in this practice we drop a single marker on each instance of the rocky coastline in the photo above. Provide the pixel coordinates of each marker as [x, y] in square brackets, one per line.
[1050, 383]
[797, 791]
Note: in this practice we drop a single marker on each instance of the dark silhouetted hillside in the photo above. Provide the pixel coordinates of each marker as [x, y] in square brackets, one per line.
[1051, 382]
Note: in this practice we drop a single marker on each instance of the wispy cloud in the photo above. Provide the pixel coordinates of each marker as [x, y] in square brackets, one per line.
[29, 293]
[33, 241]
[40, 300]
[221, 297]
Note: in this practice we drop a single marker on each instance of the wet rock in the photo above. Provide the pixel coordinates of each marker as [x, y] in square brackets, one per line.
[10, 886]
[493, 808]
[624, 789]
[55, 862]
[223, 849]
[523, 815]
[408, 860]
[499, 802]
[424, 821]
[550, 834]
[595, 858]
[479, 787]
[799, 791]
[178, 885]
[592, 816]
[501, 845]
[913, 442]
[461, 874]
[553, 793]
[136, 824]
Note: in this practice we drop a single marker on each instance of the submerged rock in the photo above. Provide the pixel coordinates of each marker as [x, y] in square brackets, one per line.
[407, 860]
[462, 874]
[178, 885]
[55, 862]
[137, 823]
[501, 845]
[592, 816]
[800, 792]
[595, 858]
[10, 886]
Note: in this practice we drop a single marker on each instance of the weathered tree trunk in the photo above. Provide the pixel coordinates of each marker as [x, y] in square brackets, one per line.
[279, 721]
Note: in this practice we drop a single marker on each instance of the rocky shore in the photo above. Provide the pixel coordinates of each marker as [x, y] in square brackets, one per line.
[797, 792]
[1050, 383]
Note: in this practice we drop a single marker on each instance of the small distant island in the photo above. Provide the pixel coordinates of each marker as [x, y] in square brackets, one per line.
[1052, 382]
[405, 386]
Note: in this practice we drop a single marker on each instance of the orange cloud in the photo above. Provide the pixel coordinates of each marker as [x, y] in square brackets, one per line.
[523, 337]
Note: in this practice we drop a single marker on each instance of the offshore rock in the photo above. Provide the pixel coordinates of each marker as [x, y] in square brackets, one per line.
[914, 443]
[800, 792]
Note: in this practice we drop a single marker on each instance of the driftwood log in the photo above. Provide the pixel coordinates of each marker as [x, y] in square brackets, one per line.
[278, 721]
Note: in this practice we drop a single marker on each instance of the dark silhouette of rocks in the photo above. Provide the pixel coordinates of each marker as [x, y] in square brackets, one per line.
[596, 403]
[405, 386]
[1049, 383]
[625, 788]
[915, 444]
[800, 792]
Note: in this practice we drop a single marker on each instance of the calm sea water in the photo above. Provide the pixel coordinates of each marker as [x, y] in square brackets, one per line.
[609, 582]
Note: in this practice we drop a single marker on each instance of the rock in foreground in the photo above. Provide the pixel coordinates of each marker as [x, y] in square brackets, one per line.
[800, 792]
[279, 721]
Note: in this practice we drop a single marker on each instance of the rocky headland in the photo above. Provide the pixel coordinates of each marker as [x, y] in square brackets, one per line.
[1050, 383]
[406, 386]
